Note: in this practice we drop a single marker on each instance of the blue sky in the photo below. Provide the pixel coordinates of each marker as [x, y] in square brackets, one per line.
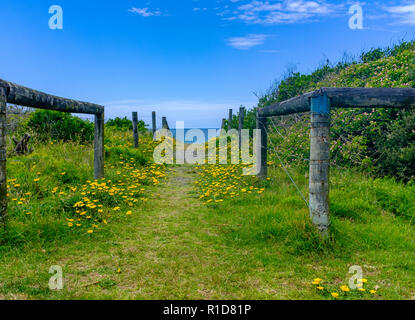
[189, 60]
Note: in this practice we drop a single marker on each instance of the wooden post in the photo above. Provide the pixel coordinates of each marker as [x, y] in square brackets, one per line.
[3, 175]
[223, 124]
[261, 124]
[135, 129]
[165, 124]
[154, 124]
[230, 119]
[320, 163]
[241, 124]
[99, 146]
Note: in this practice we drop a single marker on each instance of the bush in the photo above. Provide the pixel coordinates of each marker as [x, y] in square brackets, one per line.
[397, 148]
[120, 123]
[126, 124]
[379, 140]
[46, 125]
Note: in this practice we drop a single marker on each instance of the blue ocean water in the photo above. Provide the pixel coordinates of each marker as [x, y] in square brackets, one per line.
[193, 140]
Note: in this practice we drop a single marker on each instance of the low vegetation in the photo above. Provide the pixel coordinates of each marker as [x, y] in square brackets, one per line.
[381, 141]
[151, 231]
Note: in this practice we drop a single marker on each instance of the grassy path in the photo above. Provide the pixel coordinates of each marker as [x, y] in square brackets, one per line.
[169, 249]
[174, 247]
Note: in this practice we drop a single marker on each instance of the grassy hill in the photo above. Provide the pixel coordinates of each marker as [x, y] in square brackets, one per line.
[381, 141]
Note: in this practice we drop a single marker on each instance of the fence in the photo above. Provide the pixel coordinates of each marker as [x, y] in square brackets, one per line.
[19, 95]
[320, 103]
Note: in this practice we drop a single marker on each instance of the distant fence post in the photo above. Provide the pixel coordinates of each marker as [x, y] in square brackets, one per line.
[165, 125]
[223, 124]
[261, 124]
[154, 124]
[135, 129]
[99, 146]
[3, 175]
[230, 119]
[320, 163]
[241, 124]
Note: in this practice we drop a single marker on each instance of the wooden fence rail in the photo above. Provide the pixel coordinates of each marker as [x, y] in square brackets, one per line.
[19, 95]
[320, 103]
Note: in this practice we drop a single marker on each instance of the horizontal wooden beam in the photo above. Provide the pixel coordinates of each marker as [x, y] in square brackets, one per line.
[291, 106]
[370, 97]
[345, 98]
[26, 97]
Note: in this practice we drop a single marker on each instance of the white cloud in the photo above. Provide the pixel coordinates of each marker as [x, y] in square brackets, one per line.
[280, 11]
[247, 42]
[404, 14]
[145, 12]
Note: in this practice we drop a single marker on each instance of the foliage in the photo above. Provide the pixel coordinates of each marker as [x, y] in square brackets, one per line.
[52, 194]
[48, 125]
[126, 124]
[379, 140]
[16, 117]
[372, 220]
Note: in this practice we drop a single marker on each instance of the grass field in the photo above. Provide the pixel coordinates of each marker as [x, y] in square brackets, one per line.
[197, 232]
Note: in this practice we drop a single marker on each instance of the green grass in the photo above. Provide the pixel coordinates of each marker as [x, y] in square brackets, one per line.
[174, 246]
[372, 226]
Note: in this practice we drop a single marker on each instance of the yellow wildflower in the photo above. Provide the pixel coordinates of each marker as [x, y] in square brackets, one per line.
[345, 288]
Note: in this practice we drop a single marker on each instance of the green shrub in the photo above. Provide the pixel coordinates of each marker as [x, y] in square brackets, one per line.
[120, 123]
[379, 140]
[126, 124]
[52, 125]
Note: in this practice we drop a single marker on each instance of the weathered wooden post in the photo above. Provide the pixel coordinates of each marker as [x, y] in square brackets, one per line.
[135, 129]
[261, 124]
[320, 163]
[154, 124]
[223, 124]
[99, 146]
[3, 175]
[230, 119]
[241, 124]
[165, 124]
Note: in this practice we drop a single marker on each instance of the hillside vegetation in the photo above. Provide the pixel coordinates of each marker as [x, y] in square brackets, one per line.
[380, 141]
[151, 231]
